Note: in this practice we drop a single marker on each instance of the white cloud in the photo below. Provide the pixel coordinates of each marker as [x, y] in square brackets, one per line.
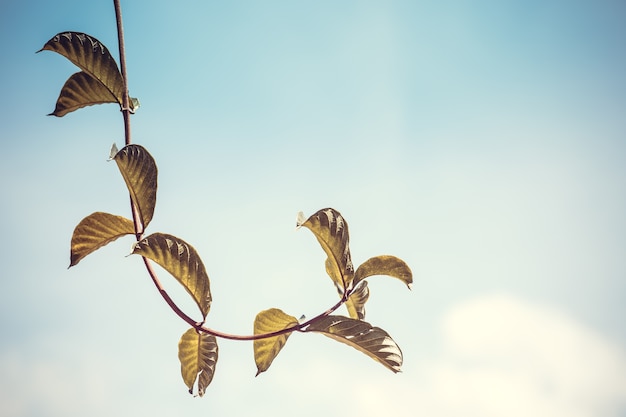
[504, 357]
[498, 356]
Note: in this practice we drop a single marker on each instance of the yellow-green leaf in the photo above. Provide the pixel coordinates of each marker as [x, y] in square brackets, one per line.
[134, 104]
[95, 231]
[182, 261]
[197, 353]
[140, 174]
[81, 90]
[373, 341]
[384, 265]
[356, 302]
[91, 56]
[265, 350]
[331, 231]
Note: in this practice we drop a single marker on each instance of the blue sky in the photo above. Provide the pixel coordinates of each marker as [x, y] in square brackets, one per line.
[482, 142]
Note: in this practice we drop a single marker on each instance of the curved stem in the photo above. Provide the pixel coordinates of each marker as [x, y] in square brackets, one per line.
[200, 327]
[126, 112]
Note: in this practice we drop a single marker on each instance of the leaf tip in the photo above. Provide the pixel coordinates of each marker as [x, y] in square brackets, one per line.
[133, 249]
[113, 152]
[74, 259]
[300, 220]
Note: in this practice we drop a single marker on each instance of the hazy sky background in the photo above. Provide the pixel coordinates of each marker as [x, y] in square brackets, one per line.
[482, 142]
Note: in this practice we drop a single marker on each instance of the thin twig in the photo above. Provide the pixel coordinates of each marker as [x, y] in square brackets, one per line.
[126, 104]
[122, 48]
[200, 327]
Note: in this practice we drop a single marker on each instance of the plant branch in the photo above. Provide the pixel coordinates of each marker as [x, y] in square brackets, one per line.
[139, 227]
[200, 326]
[126, 104]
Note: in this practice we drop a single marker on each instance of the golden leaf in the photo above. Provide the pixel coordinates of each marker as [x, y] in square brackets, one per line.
[91, 56]
[81, 90]
[384, 265]
[356, 302]
[197, 353]
[265, 350]
[139, 171]
[95, 231]
[331, 231]
[182, 261]
[372, 341]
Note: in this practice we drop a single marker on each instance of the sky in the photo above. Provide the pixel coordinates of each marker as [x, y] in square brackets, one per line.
[482, 142]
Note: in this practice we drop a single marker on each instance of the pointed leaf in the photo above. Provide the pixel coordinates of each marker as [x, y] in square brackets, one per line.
[113, 152]
[95, 231]
[265, 350]
[356, 302]
[372, 341]
[81, 90]
[384, 265]
[331, 231]
[182, 261]
[91, 56]
[140, 174]
[197, 353]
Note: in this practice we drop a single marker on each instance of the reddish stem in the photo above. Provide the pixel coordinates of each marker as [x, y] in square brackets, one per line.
[199, 326]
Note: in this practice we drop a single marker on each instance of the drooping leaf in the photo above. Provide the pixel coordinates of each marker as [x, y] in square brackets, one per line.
[331, 231]
[140, 174]
[373, 341]
[95, 231]
[356, 302]
[384, 265]
[81, 90]
[265, 350]
[197, 353]
[182, 261]
[91, 56]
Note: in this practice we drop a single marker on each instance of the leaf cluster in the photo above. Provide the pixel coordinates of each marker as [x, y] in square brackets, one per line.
[100, 81]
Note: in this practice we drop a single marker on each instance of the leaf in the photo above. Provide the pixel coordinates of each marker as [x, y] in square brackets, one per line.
[372, 341]
[384, 265]
[356, 302]
[182, 261]
[95, 231]
[91, 56]
[134, 103]
[331, 231]
[197, 353]
[265, 350]
[140, 174]
[81, 90]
